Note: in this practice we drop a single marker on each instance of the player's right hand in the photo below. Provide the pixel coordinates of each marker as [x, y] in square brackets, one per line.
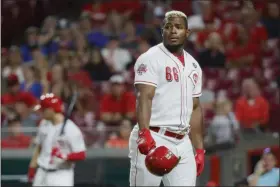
[31, 174]
[145, 141]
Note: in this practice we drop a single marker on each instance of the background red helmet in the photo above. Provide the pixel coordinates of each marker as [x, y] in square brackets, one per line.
[161, 161]
[49, 100]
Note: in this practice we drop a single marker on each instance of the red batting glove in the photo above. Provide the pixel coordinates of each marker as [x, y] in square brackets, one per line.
[31, 174]
[145, 141]
[199, 159]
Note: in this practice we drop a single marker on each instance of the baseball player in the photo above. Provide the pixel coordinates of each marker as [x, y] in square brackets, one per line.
[168, 82]
[55, 154]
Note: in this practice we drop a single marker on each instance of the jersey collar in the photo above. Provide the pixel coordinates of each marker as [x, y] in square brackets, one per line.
[173, 57]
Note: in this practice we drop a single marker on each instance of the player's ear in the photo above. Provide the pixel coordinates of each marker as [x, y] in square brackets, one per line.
[188, 33]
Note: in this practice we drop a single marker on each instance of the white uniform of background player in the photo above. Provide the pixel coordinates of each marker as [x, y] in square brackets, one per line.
[55, 171]
[172, 106]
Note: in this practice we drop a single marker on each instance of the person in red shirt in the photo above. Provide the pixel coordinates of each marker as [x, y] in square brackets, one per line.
[121, 141]
[251, 109]
[244, 52]
[118, 104]
[14, 94]
[97, 10]
[76, 72]
[13, 90]
[15, 139]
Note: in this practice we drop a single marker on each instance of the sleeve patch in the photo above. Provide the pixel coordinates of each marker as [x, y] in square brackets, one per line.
[142, 68]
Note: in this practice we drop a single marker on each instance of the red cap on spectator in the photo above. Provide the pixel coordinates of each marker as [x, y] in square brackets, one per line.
[27, 98]
[7, 100]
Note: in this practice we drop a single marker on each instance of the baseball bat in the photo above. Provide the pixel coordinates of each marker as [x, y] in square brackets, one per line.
[69, 110]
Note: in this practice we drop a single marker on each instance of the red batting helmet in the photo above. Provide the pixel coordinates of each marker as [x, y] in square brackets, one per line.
[49, 100]
[161, 161]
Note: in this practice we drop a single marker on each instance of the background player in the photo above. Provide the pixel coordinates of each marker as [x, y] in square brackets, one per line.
[54, 155]
[168, 81]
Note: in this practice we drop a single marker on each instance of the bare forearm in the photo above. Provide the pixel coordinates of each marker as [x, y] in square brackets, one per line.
[197, 128]
[144, 111]
[36, 153]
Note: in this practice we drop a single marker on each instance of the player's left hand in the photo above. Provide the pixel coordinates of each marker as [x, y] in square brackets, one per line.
[31, 174]
[199, 159]
[57, 153]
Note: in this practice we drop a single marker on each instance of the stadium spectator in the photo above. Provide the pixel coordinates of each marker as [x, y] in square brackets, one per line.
[97, 11]
[114, 23]
[266, 173]
[47, 34]
[244, 52]
[96, 67]
[76, 72]
[128, 38]
[31, 83]
[15, 139]
[57, 79]
[213, 55]
[207, 98]
[203, 24]
[120, 141]
[118, 104]
[94, 37]
[14, 93]
[271, 21]
[85, 112]
[24, 106]
[32, 36]
[224, 127]
[48, 30]
[116, 57]
[14, 64]
[64, 39]
[252, 110]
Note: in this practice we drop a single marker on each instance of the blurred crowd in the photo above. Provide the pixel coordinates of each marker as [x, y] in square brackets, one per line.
[235, 42]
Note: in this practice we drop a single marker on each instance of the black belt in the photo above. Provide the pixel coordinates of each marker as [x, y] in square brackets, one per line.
[47, 170]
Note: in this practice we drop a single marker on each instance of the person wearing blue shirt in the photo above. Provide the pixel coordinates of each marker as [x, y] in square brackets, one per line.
[30, 84]
[31, 44]
[266, 173]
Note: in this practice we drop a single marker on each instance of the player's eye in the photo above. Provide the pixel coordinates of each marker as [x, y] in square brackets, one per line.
[167, 26]
[179, 26]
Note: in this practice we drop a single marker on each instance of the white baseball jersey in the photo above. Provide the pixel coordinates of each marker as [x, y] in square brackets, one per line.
[48, 136]
[176, 85]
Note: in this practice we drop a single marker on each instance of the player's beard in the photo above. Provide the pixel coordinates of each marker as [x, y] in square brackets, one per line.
[174, 48]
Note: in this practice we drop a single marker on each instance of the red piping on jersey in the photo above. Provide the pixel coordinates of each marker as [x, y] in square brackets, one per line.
[145, 81]
[76, 156]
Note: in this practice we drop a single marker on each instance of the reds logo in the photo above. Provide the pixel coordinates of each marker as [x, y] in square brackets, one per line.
[142, 69]
[195, 77]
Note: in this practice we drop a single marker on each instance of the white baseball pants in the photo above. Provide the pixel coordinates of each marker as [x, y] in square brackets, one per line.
[184, 174]
[56, 178]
